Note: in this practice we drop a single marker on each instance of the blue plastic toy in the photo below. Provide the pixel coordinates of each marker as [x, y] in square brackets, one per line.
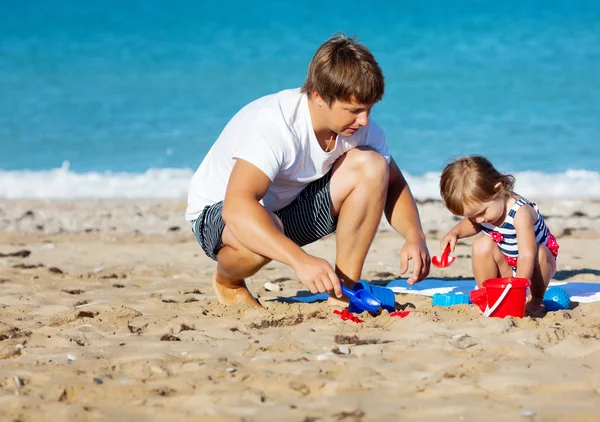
[382, 294]
[450, 299]
[556, 299]
[362, 299]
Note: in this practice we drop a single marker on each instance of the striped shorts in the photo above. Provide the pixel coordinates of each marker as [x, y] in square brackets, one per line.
[307, 219]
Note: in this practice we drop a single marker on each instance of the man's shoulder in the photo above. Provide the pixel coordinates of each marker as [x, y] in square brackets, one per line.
[274, 112]
[277, 102]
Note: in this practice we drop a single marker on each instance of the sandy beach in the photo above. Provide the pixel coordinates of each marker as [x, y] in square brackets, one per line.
[106, 313]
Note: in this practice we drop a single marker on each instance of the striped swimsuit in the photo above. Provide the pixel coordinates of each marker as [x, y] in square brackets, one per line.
[506, 235]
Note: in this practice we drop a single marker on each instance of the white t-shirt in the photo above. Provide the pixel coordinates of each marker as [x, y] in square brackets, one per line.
[274, 133]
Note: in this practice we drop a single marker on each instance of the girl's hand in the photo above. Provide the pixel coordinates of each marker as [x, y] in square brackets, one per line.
[449, 239]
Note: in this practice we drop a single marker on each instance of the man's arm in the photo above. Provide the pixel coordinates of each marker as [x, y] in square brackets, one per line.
[253, 226]
[400, 207]
[249, 221]
[402, 214]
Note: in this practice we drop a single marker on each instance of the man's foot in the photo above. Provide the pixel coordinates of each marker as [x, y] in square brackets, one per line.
[341, 302]
[232, 295]
[535, 308]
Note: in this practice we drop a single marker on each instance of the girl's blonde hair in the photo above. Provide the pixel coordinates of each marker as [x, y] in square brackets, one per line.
[472, 179]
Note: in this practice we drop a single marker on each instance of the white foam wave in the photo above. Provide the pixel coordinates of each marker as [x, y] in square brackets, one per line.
[570, 184]
[62, 183]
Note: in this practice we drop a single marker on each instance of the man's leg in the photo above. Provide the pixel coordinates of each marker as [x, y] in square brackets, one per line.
[357, 189]
[358, 192]
[234, 263]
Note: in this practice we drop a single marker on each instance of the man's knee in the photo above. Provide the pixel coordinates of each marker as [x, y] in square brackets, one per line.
[365, 164]
[359, 167]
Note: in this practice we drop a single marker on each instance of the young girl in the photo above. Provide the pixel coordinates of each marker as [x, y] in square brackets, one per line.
[517, 241]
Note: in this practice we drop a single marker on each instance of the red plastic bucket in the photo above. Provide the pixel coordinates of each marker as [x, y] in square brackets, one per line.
[502, 297]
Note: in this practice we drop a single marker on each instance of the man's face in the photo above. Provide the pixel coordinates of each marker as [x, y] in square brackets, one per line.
[345, 118]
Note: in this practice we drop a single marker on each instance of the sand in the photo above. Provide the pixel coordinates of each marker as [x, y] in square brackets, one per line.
[106, 313]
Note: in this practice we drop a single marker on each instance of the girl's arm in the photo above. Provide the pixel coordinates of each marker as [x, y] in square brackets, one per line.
[528, 248]
[465, 228]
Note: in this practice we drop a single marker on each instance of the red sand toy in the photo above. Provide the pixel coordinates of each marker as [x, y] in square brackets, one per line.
[346, 314]
[501, 297]
[445, 260]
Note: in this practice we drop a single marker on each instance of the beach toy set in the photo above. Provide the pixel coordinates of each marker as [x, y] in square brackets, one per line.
[499, 297]
[367, 297]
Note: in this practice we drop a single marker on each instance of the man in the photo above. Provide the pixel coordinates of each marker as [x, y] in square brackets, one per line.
[293, 167]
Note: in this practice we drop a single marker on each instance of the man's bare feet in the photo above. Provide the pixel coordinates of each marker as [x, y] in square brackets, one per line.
[341, 302]
[535, 308]
[232, 295]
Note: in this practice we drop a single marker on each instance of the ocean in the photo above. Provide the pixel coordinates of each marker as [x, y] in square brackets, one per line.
[122, 99]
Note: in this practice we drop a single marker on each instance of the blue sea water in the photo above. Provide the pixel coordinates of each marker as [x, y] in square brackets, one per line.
[124, 98]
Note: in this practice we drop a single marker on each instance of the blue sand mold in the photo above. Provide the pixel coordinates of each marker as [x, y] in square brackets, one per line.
[556, 299]
[450, 299]
[383, 294]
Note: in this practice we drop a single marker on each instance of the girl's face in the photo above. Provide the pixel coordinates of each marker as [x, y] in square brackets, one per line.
[492, 212]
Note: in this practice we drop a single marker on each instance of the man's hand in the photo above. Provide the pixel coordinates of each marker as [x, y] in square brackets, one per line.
[317, 275]
[415, 250]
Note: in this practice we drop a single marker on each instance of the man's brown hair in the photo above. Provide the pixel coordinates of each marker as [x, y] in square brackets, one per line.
[472, 179]
[344, 70]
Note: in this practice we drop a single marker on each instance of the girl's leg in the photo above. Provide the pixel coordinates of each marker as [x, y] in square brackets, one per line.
[488, 260]
[544, 270]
